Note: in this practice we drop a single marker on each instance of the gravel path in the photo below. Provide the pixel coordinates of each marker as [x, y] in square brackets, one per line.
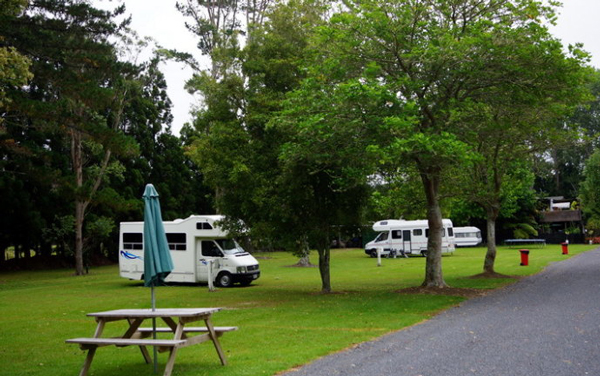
[546, 325]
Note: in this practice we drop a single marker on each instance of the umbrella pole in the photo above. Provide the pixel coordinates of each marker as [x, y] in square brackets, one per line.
[155, 350]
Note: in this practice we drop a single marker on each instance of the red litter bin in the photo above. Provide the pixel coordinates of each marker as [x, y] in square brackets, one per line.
[565, 248]
[524, 257]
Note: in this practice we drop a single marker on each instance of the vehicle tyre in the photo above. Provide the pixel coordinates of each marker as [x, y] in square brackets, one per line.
[373, 253]
[424, 253]
[224, 279]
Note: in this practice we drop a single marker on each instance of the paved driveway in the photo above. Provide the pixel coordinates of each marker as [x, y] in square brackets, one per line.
[546, 325]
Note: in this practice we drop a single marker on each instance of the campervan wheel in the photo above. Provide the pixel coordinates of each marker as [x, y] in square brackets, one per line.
[224, 279]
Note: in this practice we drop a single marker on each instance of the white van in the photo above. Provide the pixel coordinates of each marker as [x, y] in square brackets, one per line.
[467, 236]
[407, 237]
[194, 242]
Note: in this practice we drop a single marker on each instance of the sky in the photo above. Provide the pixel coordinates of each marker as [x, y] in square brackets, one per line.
[159, 19]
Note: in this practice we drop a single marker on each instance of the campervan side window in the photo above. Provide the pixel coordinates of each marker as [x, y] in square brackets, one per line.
[418, 232]
[468, 235]
[450, 231]
[210, 249]
[396, 234]
[133, 240]
[382, 236]
[177, 241]
[203, 226]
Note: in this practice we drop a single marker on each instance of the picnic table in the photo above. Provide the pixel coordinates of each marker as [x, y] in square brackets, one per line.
[175, 319]
[512, 242]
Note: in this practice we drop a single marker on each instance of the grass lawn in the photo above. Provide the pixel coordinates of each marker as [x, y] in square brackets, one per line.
[283, 320]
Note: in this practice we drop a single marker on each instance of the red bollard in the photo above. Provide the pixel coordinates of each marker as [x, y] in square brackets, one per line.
[524, 257]
[565, 248]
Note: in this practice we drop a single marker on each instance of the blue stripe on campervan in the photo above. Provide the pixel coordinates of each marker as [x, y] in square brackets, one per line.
[130, 256]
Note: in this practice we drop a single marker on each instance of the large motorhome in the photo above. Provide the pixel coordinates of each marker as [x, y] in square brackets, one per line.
[467, 236]
[407, 237]
[194, 242]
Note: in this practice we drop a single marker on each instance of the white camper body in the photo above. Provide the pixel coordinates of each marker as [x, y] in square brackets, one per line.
[407, 237]
[194, 243]
[467, 236]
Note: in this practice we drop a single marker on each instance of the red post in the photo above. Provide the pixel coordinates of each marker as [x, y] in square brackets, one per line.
[524, 257]
[565, 248]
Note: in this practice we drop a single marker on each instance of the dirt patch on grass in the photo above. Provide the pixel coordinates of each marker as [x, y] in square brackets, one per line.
[449, 291]
[493, 275]
[301, 265]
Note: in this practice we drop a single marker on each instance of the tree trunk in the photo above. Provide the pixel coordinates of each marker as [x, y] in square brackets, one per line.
[304, 261]
[490, 256]
[304, 253]
[433, 267]
[77, 160]
[324, 261]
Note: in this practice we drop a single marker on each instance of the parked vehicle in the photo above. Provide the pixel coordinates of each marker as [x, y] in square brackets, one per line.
[194, 242]
[467, 236]
[407, 237]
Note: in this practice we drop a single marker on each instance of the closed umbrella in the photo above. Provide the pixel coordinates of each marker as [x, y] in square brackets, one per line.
[157, 257]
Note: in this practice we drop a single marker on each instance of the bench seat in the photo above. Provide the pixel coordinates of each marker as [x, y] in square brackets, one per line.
[95, 342]
[191, 329]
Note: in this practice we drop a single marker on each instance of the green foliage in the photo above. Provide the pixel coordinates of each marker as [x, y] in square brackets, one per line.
[523, 230]
[560, 170]
[590, 192]
[14, 67]
[88, 132]
[60, 232]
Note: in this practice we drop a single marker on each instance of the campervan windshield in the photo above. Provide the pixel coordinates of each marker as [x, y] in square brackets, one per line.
[230, 246]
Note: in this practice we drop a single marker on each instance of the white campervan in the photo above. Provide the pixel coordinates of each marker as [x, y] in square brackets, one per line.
[467, 236]
[407, 237]
[194, 242]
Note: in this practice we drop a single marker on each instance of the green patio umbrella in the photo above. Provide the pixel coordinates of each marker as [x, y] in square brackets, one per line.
[157, 257]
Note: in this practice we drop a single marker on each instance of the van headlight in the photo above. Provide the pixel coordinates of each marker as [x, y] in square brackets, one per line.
[241, 269]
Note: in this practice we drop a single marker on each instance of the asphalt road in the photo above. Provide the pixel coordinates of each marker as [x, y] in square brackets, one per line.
[546, 325]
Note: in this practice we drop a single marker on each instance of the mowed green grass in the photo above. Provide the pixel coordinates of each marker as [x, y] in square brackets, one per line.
[283, 320]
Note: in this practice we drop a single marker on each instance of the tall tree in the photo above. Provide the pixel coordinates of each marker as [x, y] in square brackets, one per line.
[560, 169]
[237, 108]
[433, 61]
[77, 95]
[511, 123]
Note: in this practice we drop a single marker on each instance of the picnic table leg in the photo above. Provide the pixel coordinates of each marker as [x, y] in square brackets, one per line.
[173, 352]
[213, 336]
[88, 361]
[133, 327]
[92, 351]
[170, 362]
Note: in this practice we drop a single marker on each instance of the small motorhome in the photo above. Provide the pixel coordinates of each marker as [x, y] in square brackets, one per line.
[467, 236]
[196, 243]
[407, 237]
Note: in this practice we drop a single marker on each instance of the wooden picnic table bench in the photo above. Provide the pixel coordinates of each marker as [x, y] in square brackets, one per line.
[138, 336]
